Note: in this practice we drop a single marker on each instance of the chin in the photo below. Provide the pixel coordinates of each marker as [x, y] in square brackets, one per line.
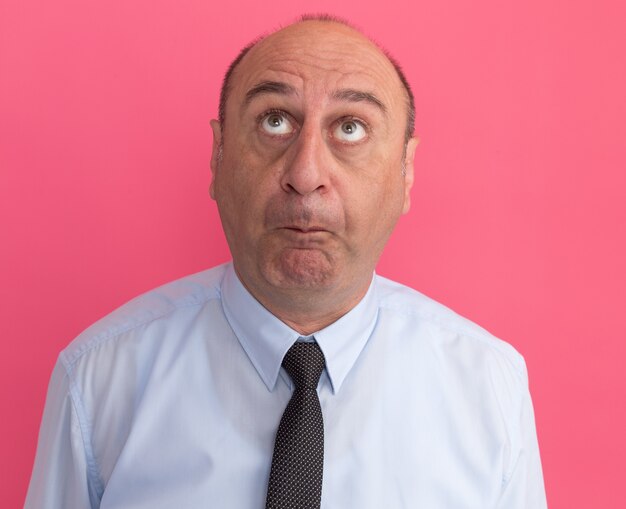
[302, 269]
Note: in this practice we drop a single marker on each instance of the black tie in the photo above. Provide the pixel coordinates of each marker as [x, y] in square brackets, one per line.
[298, 461]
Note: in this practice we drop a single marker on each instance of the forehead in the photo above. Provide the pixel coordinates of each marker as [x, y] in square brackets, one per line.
[319, 57]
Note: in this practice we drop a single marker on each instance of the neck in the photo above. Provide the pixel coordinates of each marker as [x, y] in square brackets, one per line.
[307, 322]
[309, 310]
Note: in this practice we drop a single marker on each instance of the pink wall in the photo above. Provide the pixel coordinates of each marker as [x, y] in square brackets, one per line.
[519, 208]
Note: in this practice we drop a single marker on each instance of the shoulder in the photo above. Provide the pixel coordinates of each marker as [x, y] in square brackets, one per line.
[162, 304]
[483, 377]
[445, 329]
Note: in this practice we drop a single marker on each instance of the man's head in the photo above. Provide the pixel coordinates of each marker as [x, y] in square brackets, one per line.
[226, 83]
[312, 166]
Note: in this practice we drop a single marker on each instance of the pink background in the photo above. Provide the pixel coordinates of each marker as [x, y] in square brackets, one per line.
[518, 218]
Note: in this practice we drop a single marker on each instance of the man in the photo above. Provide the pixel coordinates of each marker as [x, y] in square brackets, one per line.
[385, 399]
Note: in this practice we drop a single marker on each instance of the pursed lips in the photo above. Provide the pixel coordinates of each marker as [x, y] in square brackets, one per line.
[305, 229]
[304, 237]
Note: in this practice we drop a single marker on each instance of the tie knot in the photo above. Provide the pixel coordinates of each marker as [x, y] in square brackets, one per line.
[304, 362]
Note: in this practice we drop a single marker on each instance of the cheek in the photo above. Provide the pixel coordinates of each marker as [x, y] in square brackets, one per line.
[243, 188]
[236, 173]
[252, 159]
[373, 206]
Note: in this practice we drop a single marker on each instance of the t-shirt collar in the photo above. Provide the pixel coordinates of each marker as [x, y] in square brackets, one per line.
[266, 339]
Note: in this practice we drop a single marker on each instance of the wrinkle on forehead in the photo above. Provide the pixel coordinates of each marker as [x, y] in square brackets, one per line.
[326, 52]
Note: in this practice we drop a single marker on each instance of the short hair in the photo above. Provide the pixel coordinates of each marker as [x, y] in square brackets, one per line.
[227, 81]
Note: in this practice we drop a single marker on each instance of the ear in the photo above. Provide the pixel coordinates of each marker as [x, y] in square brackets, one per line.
[409, 176]
[215, 155]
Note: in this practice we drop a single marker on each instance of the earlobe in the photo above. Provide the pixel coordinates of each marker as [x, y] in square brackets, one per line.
[409, 175]
[216, 154]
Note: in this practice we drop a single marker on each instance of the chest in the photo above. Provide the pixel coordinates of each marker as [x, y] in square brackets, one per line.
[384, 447]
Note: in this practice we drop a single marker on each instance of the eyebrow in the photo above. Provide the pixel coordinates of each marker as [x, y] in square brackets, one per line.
[344, 94]
[269, 87]
[351, 95]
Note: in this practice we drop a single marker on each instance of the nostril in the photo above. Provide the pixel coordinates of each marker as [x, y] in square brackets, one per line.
[303, 179]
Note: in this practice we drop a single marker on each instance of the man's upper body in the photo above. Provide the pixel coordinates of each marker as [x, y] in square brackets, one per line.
[174, 400]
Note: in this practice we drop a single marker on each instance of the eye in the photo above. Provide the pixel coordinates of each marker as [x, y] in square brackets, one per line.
[350, 131]
[276, 123]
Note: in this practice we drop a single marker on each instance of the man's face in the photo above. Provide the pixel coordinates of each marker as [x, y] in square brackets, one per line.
[309, 182]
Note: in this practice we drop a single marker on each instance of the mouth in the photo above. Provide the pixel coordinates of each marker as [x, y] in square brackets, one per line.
[305, 229]
[304, 237]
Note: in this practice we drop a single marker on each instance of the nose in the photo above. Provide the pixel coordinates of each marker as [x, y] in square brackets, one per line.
[307, 169]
